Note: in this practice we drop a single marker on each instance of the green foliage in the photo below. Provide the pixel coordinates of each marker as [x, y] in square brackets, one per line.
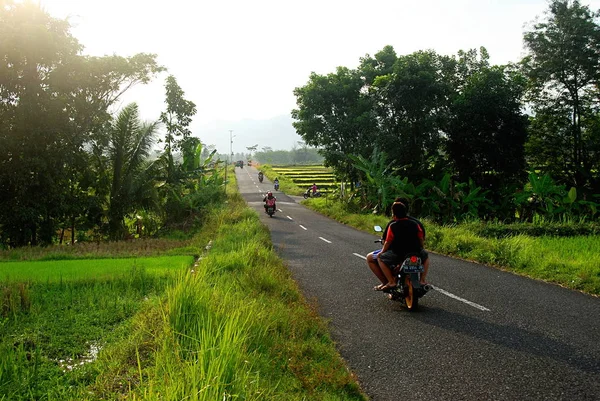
[380, 185]
[541, 196]
[336, 116]
[412, 109]
[538, 229]
[130, 142]
[176, 119]
[236, 326]
[487, 129]
[53, 104]
[563, 67]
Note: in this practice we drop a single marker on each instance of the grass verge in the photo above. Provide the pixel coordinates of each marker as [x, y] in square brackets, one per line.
[573, 262]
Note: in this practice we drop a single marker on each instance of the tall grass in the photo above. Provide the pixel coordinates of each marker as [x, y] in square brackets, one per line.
[238, 328]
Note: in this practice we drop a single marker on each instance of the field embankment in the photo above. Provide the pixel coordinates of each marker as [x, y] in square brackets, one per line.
[295, 180]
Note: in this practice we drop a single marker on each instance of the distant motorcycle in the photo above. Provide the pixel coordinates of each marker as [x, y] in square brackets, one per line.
[409, 288]
[260, 178]
[276, 186]
[309, 194]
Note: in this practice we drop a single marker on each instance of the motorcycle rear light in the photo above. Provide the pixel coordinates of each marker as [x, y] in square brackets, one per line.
[413, 259]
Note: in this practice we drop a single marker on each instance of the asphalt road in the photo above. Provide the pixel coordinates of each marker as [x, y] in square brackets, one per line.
[482, 334]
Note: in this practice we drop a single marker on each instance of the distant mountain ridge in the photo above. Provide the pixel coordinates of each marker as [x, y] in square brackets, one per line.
[276, 133]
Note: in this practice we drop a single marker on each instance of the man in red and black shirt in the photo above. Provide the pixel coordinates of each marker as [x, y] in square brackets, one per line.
[404, 236]
[424, 255]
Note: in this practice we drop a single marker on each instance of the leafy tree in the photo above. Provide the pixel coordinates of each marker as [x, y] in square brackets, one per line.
[53, 101]
[487, 130]
[563, 65]
[412, 109]
[381, 64]
[335, 115]
[176, 119]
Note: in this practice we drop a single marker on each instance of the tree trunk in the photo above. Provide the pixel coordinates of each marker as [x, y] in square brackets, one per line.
[72, 230]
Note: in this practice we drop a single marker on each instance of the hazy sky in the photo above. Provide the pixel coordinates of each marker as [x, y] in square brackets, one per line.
[241, 59]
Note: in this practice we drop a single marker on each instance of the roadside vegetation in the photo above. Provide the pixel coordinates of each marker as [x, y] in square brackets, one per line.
[229, 324]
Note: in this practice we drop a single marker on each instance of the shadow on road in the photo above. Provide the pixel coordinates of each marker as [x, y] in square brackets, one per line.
[509, 336]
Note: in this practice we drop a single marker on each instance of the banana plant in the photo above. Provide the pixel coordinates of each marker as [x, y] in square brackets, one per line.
[382, 184]
[541, 195]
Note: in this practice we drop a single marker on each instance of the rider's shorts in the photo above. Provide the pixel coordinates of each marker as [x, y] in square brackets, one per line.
[390, 258]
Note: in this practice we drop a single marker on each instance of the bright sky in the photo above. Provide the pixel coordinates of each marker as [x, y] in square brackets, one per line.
[241, 59]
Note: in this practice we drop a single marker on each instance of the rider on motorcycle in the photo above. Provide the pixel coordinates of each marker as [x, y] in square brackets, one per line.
[424, 254]
[276, 184]
[260, 176]
[270, 200]
[402, 237]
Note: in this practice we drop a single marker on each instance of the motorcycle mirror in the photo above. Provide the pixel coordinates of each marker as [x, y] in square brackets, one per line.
[378, 229]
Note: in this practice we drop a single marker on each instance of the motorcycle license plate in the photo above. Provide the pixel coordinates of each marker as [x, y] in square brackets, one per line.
[413, 269]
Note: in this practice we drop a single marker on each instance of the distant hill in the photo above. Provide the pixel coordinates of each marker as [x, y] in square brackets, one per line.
[277, 133]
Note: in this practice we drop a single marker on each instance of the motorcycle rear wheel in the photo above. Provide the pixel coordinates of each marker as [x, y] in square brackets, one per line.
[410, 297]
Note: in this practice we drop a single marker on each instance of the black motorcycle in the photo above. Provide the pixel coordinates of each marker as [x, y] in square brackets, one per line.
[409, 288]
[260, 178]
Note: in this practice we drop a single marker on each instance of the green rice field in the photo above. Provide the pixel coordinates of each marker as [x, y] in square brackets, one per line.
[296, 179]
[56, 270]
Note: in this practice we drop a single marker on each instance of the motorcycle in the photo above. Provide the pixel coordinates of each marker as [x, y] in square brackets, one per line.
[409, 289]
[271, 207]
[309, 194]
[260, 178]
[276, 186]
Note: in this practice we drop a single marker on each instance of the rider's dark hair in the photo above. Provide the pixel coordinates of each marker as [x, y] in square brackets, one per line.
[403, 201]
[399, 210]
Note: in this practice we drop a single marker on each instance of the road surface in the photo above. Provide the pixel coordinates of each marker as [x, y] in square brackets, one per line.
[482, 334]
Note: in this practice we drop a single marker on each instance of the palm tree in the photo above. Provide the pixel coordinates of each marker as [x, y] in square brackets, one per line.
[130, 143]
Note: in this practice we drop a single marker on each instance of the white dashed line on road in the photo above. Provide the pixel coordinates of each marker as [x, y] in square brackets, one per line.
[289, 217]
[302, 227]
[473, 304]
[326, 240]
[360, 256]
